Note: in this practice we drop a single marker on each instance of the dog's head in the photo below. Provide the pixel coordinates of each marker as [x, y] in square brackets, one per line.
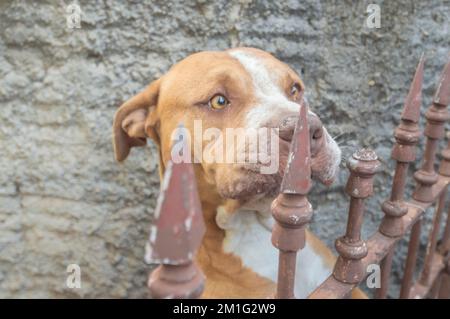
[220, 97]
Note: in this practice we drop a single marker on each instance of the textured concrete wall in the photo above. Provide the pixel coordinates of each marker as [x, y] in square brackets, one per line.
[64, 200]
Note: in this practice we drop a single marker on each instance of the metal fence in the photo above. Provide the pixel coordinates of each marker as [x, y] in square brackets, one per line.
[176, 237]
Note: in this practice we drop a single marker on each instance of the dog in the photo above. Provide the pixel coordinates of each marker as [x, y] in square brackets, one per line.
[237, 88]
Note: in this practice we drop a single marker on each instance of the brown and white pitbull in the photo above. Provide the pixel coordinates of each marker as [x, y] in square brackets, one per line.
[237, 88]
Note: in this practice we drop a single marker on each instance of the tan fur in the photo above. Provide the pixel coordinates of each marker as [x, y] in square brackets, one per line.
[176, 98]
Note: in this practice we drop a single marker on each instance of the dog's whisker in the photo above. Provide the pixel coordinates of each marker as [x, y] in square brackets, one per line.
[339, 135]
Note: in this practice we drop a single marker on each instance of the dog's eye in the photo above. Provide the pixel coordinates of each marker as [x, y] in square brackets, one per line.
[218, 102]
[295, 91]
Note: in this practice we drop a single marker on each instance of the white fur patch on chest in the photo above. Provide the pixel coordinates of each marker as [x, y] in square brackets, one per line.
[248, 236]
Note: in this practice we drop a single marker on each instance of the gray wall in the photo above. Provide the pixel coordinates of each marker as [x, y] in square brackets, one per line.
[64, 200]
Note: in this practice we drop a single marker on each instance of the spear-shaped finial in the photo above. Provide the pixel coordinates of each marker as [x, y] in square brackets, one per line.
[407, 135]
[291, 209]
[442, 95]
[437, 116]
[411, 108]
[179, 225]
[297, 176]
[176, 235]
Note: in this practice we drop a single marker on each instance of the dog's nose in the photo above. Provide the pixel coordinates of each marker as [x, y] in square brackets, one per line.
[315, 133]
[287, 127]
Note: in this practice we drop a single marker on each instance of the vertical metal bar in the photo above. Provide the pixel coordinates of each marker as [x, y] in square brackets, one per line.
[432, 240]
[444, 291]
[291, 209]
[404, 151]
[286, 275]
[176, 236]
[426, 176]
[355, 220]
[435, 288]
[444, 169]
[399, 181]
[411, 259]
[348, 268]
[445, 245]
[436, 116]
[385, 266]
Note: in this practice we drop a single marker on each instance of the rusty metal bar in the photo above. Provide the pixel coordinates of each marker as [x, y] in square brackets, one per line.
[333, 289]
[419, 291]
[351, 248]
[385, 266]
[444, 291]
[442, 288]
[435, 288]
[411, 259]
[176, 236]
[432, 241]
[430, 186]
[426, 279]
[444, 169]
[379, 245]
[291, 209]
[436, 116]
[445, 244]
[404, 152]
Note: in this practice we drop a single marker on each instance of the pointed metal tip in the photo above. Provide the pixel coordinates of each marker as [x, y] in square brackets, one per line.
[413, 101]
[297, 176]
[422, 57]
[179, 219]
[442, 95]
[180, 145]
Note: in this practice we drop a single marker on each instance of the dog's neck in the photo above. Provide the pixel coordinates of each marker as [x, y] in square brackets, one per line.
[245, 234]
[227, 276]
[237, 255]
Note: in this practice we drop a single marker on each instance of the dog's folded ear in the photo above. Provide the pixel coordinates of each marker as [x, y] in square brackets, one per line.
[133, 121]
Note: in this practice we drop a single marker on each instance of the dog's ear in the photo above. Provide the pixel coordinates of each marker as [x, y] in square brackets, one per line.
[135, 120]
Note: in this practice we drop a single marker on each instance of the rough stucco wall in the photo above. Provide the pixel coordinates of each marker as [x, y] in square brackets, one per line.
[64, 200]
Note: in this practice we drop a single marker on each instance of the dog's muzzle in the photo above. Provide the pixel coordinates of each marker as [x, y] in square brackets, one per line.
[287, 127]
